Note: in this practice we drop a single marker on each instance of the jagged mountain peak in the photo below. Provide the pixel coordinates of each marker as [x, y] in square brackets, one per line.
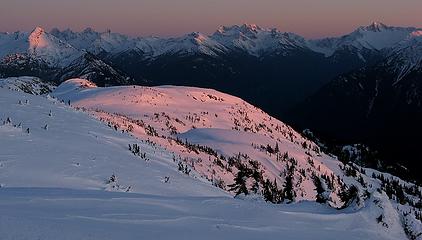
[375, 27]
[52, 50]
[245, 29]
[37, 38]
[374, 37]
[38, 30]
[197, 35]
[89, 30]
[251, 27]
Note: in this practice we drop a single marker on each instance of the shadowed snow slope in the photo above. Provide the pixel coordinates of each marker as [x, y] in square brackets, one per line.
[31, 213]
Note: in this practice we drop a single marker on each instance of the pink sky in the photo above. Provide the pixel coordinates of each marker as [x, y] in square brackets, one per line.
[310, 18]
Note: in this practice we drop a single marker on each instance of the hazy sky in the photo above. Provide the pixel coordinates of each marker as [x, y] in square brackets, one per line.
[310, 18]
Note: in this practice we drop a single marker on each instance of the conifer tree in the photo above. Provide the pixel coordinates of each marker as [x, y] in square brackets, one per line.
[320, 198]
[239, 185]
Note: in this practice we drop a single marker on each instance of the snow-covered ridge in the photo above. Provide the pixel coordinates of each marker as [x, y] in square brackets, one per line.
[59, 48]
[30, 85]
[216, 137]
[160, 159]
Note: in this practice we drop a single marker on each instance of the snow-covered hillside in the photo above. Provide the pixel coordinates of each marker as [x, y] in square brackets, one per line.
[240, 149]
[31, 85]
[161, 114]
[141, 174]
[66, 175]
[45, 143]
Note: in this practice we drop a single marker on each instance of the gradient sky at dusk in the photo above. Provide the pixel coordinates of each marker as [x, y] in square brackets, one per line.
[310, 18]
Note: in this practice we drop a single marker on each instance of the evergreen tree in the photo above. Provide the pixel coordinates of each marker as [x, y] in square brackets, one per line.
[239, 185]
[256, 175]
[276, 149]
[320, 197]
[289, 192]
[347, 196]
[271, 193]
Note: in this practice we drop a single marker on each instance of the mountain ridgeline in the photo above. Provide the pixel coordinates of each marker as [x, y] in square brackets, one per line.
[272, 69]
[360, 87]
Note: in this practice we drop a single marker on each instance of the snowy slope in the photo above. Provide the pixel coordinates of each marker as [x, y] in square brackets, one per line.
[161, 113]
[76, 151]
[29, 213]
[55, 184]
[214, 135]
[31, 85]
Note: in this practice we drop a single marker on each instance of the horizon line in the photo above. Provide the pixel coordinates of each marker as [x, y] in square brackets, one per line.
[49, 30]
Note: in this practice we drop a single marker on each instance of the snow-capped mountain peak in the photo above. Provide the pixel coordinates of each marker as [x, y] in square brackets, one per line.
[37, 39]
[375, 27]
[256, 40]
[50, 49]
[59, 48]
[245, 30]
[37, 31]
[374, 37]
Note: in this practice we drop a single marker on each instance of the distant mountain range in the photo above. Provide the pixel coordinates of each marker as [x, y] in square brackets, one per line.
[261, 65]
[359, 79]
[380, 104]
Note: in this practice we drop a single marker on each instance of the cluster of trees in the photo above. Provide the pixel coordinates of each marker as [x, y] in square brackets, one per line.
[183, 168]
[194, 119]
[348, 195]
[113, 184]
[271, 150]
[271, 192]
[215, 98]
[244, 173]
[349, 171]
[136, 150]
[401, 193]
[321, 196]
[394, 190]
[196, 147]
[249, 179]
[151, 131]
[8, 121]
